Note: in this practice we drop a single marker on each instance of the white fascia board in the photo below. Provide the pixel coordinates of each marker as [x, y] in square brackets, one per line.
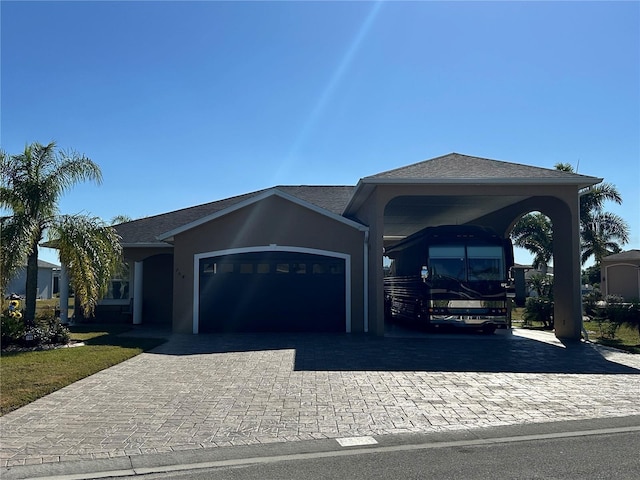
[360, 194]
[261, 196]
[147, 245]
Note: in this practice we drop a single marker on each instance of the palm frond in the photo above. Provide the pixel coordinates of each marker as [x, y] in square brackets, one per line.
[91, 252]
[15, 246]
[533, 232]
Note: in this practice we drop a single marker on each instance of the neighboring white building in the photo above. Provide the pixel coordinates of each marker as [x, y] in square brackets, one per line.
[46, 273]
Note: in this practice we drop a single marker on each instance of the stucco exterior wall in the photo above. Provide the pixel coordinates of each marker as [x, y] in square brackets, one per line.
[273, 220]
[621, 278]
[138, 254]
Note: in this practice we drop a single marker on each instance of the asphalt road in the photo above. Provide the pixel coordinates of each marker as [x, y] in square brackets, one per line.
[590, 455]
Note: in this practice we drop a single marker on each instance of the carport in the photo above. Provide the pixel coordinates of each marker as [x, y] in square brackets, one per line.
[459, 189]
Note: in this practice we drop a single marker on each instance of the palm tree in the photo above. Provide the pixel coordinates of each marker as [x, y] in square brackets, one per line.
[118, 219]
[32, 184]
[533, 232]
[601, 233]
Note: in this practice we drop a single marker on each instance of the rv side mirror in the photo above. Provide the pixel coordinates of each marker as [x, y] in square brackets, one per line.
[424, 272]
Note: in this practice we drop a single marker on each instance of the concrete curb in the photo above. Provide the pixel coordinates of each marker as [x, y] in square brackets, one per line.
[195, 459]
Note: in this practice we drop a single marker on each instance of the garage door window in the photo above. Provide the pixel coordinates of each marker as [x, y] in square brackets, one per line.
[282, 268]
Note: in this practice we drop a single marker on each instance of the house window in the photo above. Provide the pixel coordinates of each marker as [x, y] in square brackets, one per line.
[118, 289]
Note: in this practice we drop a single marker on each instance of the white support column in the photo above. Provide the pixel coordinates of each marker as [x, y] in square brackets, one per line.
[63, 285]
[137, 293]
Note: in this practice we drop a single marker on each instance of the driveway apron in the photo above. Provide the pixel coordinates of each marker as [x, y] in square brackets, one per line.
[203, 391]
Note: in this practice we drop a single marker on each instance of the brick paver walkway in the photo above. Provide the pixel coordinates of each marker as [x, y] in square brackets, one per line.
[207, 391]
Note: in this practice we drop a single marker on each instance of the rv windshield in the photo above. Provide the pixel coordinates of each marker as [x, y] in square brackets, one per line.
[447, 261]
[485, 263]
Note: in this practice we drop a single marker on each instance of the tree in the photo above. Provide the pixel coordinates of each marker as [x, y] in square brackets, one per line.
[603, 236]
[533, 232]
[32, 184]
[601, 233]
[591, 275]
[118, 219]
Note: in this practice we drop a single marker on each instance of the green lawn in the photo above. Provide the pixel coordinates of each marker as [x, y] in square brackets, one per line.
[626, 338]
[27, 376]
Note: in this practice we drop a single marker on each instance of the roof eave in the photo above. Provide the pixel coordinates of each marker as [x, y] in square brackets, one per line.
[147, 245]
[366, 185]
[581, 182]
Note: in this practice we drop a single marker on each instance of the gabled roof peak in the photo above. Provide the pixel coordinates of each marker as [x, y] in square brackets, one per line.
[458, 166]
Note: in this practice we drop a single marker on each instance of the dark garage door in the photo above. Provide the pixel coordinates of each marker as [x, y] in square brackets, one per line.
[272, 292]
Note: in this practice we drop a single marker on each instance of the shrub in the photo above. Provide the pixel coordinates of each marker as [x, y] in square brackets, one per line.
[627, 313]
[12, 328]
[606, 328]
[46, 331]
[542, 285]
[539, 309]
[591, 302]
[612, 312]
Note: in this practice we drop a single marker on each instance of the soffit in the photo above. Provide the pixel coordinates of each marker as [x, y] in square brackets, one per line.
[407, 214]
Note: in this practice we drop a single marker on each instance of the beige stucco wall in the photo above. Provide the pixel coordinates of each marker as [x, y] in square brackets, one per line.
[273, 220]
[620, 278]
[137, 254]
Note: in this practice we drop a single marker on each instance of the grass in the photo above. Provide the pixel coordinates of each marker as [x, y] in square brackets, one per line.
[27, 376]
[49, 305]
[626, 338]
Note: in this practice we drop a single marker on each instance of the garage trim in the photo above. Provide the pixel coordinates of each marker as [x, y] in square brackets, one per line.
[270, 248]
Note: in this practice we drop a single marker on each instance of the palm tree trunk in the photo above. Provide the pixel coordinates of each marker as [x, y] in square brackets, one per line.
[31, 289]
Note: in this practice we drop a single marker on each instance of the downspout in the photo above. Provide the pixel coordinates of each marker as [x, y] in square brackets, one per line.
[366, 280]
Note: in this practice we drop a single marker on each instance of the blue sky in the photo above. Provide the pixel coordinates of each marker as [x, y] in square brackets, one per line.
[183, 103]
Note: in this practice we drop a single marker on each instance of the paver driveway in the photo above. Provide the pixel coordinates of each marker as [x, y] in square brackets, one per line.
[214, 390]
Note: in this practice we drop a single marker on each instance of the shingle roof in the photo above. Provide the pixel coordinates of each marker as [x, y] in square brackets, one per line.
[335, 199]
[146, 230]
[622, 256]
[458, 166]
